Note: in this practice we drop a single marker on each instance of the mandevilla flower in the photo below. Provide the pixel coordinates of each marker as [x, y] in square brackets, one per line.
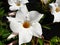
[16, 4]
[58, 2]
[26, 26]
[55, 10]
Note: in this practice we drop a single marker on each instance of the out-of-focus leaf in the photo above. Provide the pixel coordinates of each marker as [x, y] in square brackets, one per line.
[4, 32]
[1, 11]
[0, 3]
[47, 27]
[40, 41]
[55, 39]
[1, 43]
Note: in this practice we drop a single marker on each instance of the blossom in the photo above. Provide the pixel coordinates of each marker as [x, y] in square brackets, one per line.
[12, 14]
[26, 26]
[55, 10]
[12, 35]
[16, 4]
[58, 2]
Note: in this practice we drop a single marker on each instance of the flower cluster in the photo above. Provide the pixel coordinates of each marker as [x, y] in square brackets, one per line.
[25, 23]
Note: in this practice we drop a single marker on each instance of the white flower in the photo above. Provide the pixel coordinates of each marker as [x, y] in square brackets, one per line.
[16, 4]
[58, 2]
[26, 26]
[55, 10]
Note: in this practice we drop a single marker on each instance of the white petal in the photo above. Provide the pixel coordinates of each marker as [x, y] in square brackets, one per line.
[14, 26]
[35, 16]
[20, 16]
[11, 2]
[14, 7]
[37, 29]
[57, 17]
[58, 2]
[12, 35]
[17, 27]
[25, 34]
[12, 13]
[24, 37]
[52, 6]
[24, 9]
[11, 19]
[24, 1]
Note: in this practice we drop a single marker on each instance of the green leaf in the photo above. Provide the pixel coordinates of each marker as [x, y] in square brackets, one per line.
[1, 43]
[2, 11]
[55, 39]
[40, 41]
[47, 27]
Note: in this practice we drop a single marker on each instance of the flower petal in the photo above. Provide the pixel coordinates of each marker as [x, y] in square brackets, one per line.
[12, 35]
[57, 17]
[24, 37]
[14, 7]
[25, 34]
[14, 25]
[24, 9]
[20, 16]
[11, 19]
[11, 2]
[37, 29]
[52, 6]
[24, 1]
[35, 16]
[12, 14]
[58, 2]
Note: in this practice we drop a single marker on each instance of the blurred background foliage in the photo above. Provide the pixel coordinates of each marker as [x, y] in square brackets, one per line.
[51, 31]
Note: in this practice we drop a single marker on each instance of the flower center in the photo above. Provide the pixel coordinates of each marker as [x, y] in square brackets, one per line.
[26, 24]
[17, 3]
[57, 9]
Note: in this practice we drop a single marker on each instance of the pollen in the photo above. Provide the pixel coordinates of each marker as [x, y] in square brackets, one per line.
[26, 24]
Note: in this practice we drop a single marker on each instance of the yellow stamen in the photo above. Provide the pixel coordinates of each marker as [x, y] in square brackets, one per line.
[26, 24]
